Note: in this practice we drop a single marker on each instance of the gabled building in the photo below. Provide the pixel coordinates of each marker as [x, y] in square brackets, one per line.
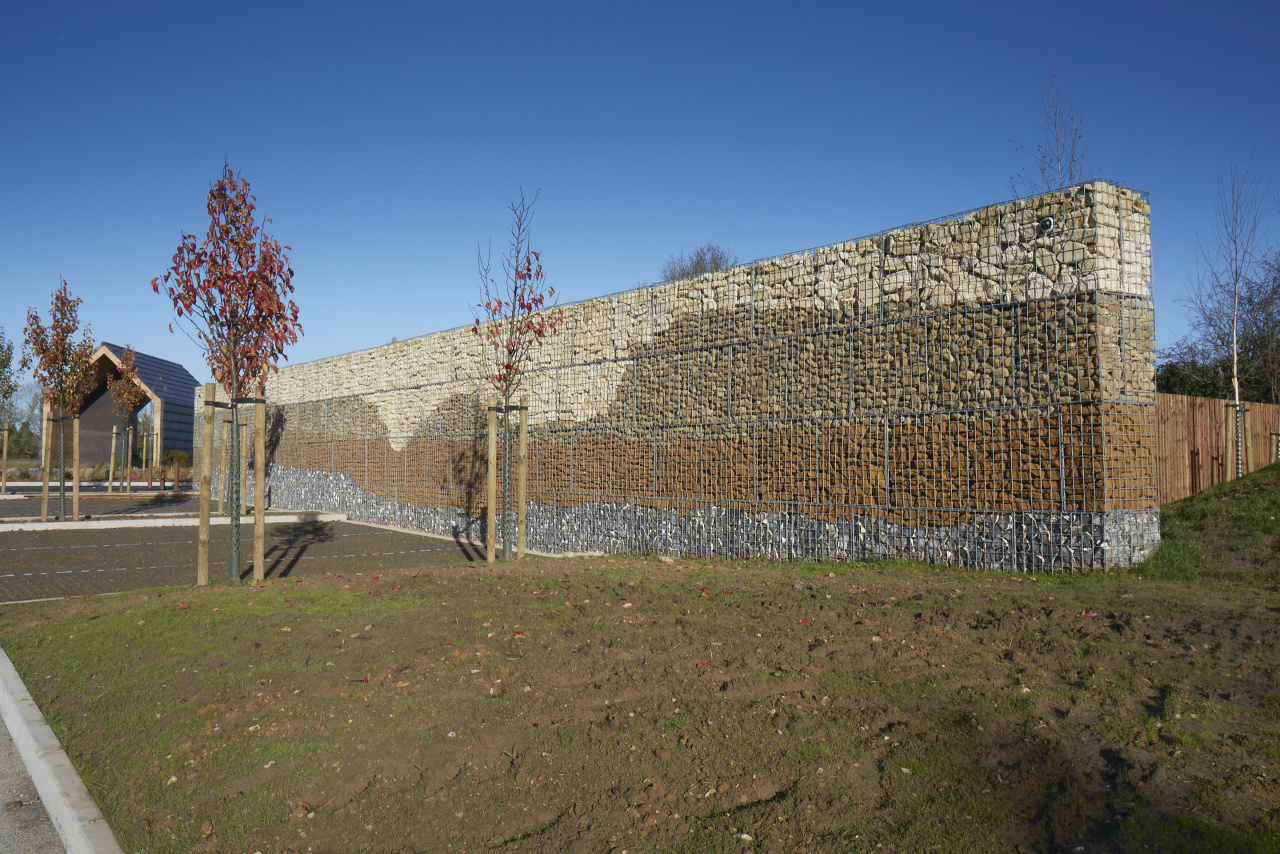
[170, 389]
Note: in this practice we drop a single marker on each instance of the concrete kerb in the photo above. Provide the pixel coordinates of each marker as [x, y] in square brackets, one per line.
[174, 521]
[73, 812]
[479, 547]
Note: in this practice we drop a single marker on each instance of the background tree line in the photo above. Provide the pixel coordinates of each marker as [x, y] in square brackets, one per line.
[1233, 305]
[19, 407]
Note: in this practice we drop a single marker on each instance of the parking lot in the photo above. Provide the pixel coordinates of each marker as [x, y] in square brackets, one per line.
[50, 564]
[97, 503]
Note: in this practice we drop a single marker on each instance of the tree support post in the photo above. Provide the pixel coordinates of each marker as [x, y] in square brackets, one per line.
[62, 465]
[259, 489]
[46, 451]
[1246, 440]
[206, 482]
[75, 465]
[128, 460]
[522, 476]
[224, 482]
[233, 501]
[244, 473]
[506, 479]
[111, 467]
[4, 466]
[492, 529]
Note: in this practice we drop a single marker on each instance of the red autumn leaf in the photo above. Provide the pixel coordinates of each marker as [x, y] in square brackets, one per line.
[1088, 613]
[183, 607]
[232, 290]
[398, 587]
[805, 623]
[514, 319]
[60, 365]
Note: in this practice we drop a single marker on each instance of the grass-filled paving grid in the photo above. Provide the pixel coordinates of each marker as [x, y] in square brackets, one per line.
[634, 704]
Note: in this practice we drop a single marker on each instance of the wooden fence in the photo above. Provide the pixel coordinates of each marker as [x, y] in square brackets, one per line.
[1196, 442]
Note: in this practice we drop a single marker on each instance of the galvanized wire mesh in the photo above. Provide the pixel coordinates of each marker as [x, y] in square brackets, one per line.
[975, 390]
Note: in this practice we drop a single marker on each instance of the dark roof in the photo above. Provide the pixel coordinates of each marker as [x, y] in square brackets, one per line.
[171, 381]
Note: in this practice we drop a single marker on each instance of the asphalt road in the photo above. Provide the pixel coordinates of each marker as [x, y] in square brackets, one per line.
[47, 564]
[24, 824]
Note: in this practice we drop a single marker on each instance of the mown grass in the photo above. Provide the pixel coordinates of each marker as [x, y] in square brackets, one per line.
[887, 706]
[1228, 534]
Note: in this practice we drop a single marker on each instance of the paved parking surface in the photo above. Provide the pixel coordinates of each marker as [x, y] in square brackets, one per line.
[47, 564]
[101, 505]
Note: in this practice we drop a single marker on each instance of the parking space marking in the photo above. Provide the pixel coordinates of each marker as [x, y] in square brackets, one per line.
[159, 543]
[224, 563]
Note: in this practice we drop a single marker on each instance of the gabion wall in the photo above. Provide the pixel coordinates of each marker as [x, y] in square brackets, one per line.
[976, 390]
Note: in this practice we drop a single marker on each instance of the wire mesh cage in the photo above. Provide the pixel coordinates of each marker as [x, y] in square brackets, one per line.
[975, 390]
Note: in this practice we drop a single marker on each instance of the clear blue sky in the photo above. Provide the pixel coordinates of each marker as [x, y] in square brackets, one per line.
[385, 140]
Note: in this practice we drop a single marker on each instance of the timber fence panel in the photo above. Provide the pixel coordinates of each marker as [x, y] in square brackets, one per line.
[1194, 442]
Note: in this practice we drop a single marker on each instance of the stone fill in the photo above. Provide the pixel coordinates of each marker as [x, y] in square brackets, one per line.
[975, 390]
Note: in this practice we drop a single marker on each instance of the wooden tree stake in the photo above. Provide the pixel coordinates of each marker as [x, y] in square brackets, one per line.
[206, 483]
[493, 481]
[259, 489]
[75, 466]
[111, 467]
[1246, 439]
[522, 476]
[244, 471]
[4, 466]
[46, 451]
[128, 460]
[224, 481]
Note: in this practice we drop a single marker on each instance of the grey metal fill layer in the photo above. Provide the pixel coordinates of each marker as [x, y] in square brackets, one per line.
[1021, 542]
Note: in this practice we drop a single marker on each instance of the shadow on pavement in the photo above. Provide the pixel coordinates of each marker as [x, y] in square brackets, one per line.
[291, 543]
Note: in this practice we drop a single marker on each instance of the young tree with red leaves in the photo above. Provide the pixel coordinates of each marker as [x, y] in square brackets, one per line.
[231, 292]
[61, 366]
[126, 397]
[515, 317]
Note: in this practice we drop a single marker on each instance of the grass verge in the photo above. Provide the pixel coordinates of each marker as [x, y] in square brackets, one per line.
[632, 704]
